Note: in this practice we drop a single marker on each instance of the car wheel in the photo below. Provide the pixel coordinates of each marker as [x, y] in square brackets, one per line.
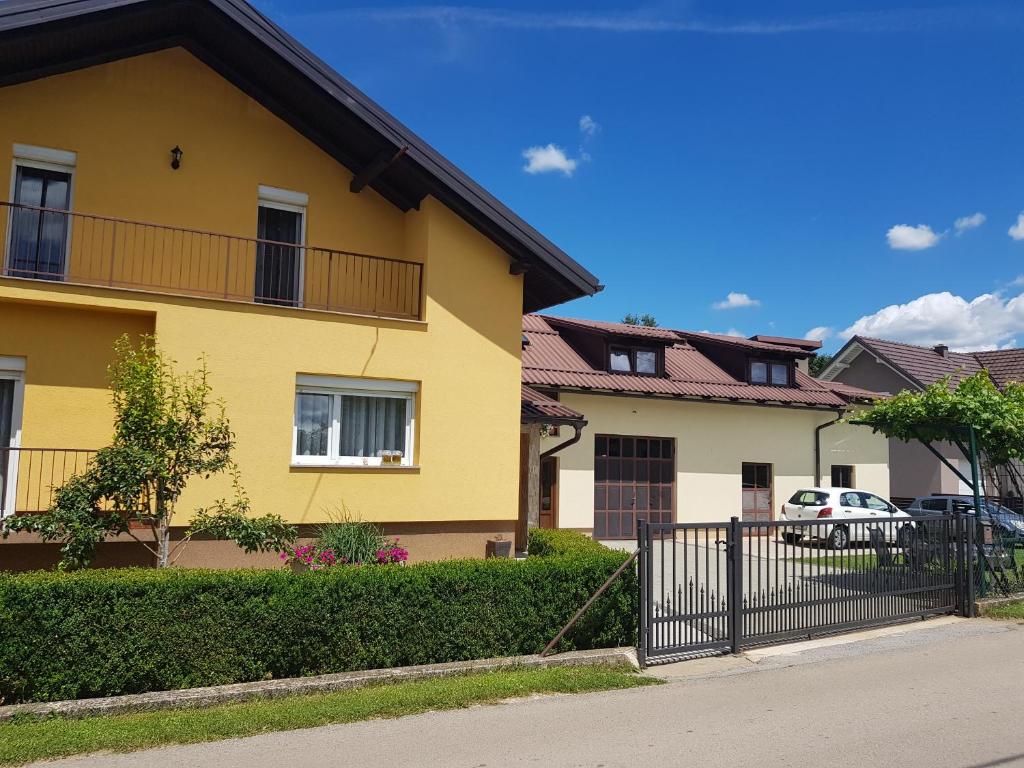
[839, 538]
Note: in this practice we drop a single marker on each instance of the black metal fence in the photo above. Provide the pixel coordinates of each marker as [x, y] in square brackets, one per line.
[722, 587]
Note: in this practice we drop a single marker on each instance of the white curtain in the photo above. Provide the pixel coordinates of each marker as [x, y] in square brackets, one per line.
[313, 417]
[370, 425]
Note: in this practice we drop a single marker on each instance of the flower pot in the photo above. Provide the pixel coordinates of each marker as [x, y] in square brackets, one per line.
[499, 548]
[298, 567]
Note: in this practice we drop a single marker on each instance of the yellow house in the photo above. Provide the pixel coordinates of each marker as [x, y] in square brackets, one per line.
[188, 169]
[687, 427]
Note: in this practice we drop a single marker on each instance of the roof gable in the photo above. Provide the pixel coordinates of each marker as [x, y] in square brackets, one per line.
[44, 37]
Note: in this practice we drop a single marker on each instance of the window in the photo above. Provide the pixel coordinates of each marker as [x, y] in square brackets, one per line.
[770, 373]
[810, 498]
[353, 422]
[873, 502]
[38, 241]
[757, 492]
[934, 505]
[644, 361]
[281, 228]
[11, 398]
[842, 476]
[850, 500]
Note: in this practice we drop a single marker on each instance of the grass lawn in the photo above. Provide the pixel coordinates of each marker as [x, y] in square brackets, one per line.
[30, 740]
[1008, 611]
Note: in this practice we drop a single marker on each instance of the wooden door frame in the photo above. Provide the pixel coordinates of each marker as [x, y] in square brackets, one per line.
[554, 489]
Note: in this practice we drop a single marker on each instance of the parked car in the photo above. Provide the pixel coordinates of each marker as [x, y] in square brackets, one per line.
[840, 504]
[1009, 522]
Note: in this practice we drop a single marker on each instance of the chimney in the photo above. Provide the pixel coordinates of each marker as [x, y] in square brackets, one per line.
[942, 350]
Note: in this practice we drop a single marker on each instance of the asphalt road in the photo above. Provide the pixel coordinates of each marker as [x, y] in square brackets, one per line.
[951, 694]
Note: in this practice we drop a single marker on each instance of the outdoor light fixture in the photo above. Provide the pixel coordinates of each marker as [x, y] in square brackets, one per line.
[176, 157]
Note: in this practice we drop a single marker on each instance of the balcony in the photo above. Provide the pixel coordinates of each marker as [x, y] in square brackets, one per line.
[64, 246]
[29, 477]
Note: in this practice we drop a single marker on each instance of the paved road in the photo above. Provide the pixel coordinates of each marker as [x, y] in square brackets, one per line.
[947, 695]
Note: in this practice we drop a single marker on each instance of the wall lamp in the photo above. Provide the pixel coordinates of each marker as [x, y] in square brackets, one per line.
[176, 154]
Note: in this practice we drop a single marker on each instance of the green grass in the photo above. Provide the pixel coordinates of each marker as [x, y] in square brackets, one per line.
[860, 561]
[1008, 611]
[29, 740]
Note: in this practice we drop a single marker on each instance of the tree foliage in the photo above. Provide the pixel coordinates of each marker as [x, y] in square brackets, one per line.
[168, 430]
[819, 363]
[646, 320]
[941, 413]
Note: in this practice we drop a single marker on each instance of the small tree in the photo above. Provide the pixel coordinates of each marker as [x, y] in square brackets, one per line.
[167, 431]
[646, 320]
[943, 414]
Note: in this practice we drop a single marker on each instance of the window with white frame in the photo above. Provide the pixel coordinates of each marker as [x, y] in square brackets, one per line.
[12, 383]
[353, 422]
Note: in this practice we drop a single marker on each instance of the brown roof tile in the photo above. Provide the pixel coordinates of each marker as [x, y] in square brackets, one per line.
[1004, 365]
[536, 406]
[924, 365]
[550, 361]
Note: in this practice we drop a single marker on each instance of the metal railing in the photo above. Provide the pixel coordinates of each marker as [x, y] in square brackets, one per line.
[58, 245]
[29, 477]
[722, 587]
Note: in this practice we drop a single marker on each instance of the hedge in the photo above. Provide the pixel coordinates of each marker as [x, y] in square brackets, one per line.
[109, 632]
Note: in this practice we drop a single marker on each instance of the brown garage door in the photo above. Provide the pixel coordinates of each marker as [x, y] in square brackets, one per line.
[633, 477]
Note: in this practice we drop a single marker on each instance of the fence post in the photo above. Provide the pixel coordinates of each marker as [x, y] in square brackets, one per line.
[734, 581]
[961, 565]
[969, 525]
[644, 588]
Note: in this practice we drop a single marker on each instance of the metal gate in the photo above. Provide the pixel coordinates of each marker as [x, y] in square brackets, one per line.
[722, 587]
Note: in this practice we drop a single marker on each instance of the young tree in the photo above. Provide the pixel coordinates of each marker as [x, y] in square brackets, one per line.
[819, 363]
[941, 414]
[167, 431]
[646, 320]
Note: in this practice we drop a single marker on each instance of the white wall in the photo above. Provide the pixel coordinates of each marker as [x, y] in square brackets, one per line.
[712, 442]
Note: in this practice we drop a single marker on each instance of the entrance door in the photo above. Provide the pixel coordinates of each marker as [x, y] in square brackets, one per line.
[634, 477]
[38, 242]
[549, 492]
[757, 493]
[278, 262]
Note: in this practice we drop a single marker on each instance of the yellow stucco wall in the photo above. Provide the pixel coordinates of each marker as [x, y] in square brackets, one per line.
[121, 119]
[713, 440]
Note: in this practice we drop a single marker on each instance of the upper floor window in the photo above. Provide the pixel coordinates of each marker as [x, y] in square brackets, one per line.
[640, 360]
[281, 229]
[771, 373]
[353, 422]
[38, 241]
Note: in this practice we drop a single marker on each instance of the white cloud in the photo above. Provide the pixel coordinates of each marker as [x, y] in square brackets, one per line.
[549, 159]
[965, 223]
[1017, 230]
[589, 126]
[820, 333]
[735, 301]
[904, 237]
[986, 322]
[730, 332]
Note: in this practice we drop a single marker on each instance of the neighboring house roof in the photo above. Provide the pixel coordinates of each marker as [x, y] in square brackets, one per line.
[549, 360]
[742, 343]
[45, 37]
[538, 407]
[922, 366]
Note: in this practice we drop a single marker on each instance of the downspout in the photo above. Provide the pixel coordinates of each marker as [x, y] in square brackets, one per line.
[578, 426]
[817, 446]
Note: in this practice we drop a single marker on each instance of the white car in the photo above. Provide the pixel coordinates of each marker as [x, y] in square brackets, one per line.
[840, 504]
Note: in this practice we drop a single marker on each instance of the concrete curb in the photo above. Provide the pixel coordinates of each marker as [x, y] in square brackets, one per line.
[270, 689]
[982, 606]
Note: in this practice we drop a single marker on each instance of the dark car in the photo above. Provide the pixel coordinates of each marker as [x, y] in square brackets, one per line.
[1011, 523]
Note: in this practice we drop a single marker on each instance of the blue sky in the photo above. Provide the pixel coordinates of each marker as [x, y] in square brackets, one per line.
[770, 150]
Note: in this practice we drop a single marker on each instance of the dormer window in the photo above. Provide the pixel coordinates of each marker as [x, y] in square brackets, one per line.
[770, 373]
[643, 361]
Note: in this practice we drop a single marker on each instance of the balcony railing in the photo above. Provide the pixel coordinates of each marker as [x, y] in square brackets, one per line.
[29, 477]
[58, 245]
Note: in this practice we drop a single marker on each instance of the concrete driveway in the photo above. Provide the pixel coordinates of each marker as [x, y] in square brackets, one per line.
[944, 693]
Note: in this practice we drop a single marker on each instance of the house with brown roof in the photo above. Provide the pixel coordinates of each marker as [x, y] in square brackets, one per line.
[687, 426]
[892, 366]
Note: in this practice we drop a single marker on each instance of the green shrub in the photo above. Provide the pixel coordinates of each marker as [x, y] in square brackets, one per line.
[100, 633]
[547, 542]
